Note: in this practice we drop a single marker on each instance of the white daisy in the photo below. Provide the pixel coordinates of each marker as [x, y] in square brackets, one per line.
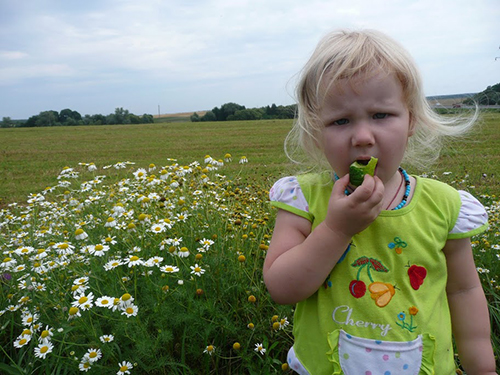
[93, 355]
[21, 341]
[84, 365]
[112, 264]
[157, 228]
[105, 301]
[260, 348]
[84, 302]
[169, 269]
[106, 338]
[154, 261]
[125, 368]
[133, 260]
[197, 270]
[129, 309]
[43, 349]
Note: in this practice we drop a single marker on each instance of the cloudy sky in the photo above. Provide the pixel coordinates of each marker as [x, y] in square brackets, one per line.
[187, 55]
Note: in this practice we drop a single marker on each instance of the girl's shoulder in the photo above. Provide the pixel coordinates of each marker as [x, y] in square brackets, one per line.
[292, 193]
[470, 215]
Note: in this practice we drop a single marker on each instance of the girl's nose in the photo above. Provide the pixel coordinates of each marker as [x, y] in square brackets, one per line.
[363, 135]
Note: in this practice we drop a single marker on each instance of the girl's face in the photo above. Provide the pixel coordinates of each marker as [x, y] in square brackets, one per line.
[365, 118]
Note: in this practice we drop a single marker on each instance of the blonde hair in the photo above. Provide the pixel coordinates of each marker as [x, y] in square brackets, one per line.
[348, 55]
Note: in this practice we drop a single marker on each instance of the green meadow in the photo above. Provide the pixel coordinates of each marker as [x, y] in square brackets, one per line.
[139, 248]
[31, 158]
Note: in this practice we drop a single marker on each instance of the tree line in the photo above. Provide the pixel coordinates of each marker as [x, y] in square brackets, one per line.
[490, 96]
[68, 117]
[237, 112]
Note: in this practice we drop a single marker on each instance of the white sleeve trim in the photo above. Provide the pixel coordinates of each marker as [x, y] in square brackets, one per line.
[287, 190]
[472, 214]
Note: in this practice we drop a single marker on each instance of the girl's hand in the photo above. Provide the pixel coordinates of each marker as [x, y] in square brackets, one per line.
[353, 213]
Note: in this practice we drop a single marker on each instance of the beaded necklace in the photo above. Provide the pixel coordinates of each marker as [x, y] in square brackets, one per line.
[407, 189]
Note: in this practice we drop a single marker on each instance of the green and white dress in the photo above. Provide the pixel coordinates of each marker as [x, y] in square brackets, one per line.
[383, 309]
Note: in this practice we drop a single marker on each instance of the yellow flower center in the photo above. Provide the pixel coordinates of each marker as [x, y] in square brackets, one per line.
[44, 349]
[126, 297]
[129, 310]
[82, 300]
[45, 334]
[78, 231]
[134, 258]
[99, 247]
[7, 260]
[73, 310]
[93, 354]
[63, 246]
[23, 341]
[197, 269]
[104, 302]
[123, 368]
[110, 220]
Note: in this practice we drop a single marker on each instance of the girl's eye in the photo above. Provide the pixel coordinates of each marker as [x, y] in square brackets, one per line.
[379, 116]
[342, 121]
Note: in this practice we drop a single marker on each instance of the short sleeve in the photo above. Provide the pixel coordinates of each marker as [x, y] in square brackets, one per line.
[287, 195]
[472, 218]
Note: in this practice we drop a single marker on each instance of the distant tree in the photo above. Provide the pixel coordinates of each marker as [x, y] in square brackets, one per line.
[195, 117]
[48, 118]
[67, 114]
[122, 116]
[490, 96]
[111, 119]
[229, 109]
[246, 114]
[209, 116]
[134, 119]
[7, 122]
[147, 119]
[98, 119]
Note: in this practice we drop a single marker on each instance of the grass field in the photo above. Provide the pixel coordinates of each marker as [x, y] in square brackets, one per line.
[31, 158]
[158, 269]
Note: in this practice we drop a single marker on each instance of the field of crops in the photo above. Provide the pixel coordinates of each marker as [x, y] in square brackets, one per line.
[139, 248]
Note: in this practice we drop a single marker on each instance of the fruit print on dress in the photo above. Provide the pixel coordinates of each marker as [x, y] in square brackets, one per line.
[417, 275]
[381, 293]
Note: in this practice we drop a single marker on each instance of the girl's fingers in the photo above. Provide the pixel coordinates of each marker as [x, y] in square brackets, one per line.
[340, 186]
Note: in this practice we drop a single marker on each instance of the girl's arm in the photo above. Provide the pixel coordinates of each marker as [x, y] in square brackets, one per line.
[298, 261]
[469, 309]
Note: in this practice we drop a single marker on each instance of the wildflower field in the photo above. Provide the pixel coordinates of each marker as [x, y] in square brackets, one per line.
[133, 267]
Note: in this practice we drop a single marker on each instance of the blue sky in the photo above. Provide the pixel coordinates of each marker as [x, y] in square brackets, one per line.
[185, 55]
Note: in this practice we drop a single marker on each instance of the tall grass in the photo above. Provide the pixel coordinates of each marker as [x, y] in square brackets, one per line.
[175, 246]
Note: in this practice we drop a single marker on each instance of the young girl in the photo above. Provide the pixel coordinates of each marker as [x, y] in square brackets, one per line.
[382, 272]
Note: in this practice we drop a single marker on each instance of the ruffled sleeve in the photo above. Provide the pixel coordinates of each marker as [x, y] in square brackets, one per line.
[287, 195]
[472, 218]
